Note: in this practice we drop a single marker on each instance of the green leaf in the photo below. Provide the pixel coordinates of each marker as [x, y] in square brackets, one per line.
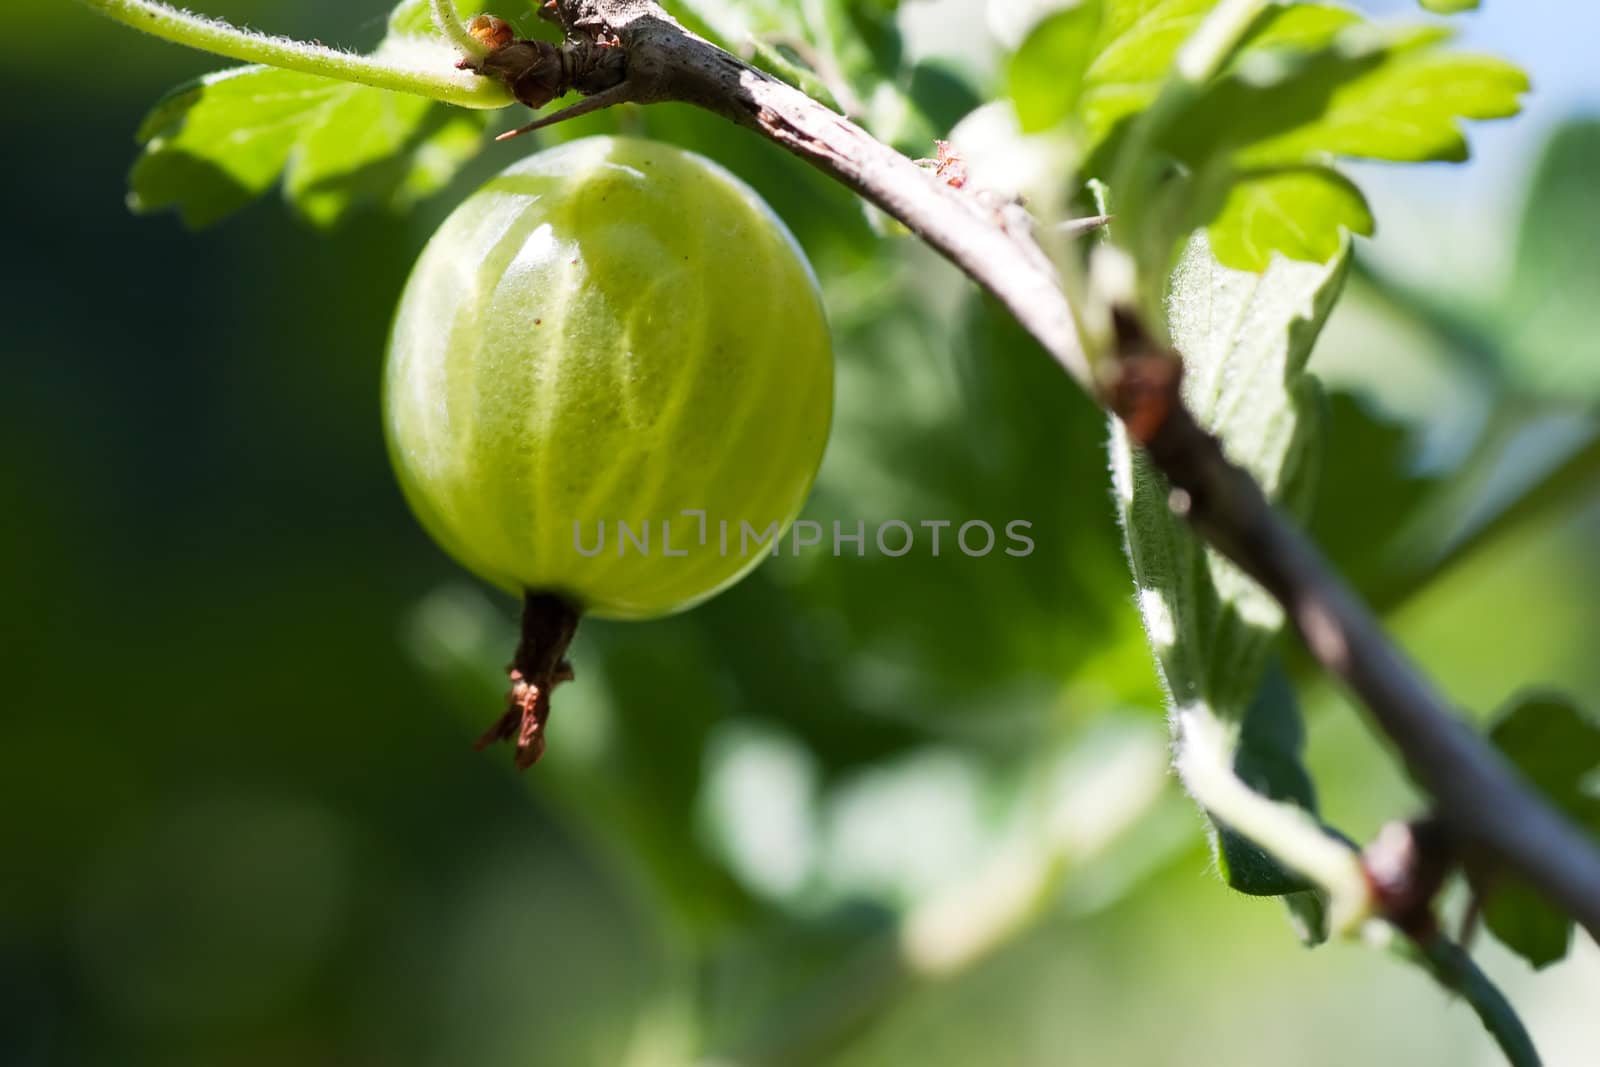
[1405, 105]
[1545, 323]
[1556, 747]
[215, 145]
[1139, 39]
[1304, 213]
[1250, 154]
[1521, 919]
[1312, 84]
[1368, 492]
[1047, 72]
[1271, 742]
[1449, 7]
[1285, 114]
[1245, 339]
[1292, 30]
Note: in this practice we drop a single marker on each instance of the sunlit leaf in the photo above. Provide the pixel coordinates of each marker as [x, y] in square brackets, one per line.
[1303, 213]
[1138, 41]
[1406, 106]
[215, 145]
[1280, 125]
[1291, 30]
[1251, 153]
[1046, 74]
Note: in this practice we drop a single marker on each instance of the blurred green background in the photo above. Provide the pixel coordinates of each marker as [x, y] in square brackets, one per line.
[854, 811]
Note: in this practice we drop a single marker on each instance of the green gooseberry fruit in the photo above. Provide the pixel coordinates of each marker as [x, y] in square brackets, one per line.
[610, 334]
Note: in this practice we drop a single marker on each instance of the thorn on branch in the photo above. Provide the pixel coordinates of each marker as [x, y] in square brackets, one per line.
[619, 94]
[1084, 225]
[540, 664]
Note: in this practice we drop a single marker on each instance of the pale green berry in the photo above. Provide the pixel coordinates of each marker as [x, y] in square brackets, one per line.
[610, 331]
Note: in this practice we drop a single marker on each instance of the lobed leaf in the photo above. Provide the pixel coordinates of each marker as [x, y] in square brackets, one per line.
[220, 142]
[1556, 746]
[1250, 154]
[891, 445]
[1404, 104]
[1276, 131]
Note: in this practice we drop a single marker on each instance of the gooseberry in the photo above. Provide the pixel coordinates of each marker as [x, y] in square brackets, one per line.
[614, 343]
